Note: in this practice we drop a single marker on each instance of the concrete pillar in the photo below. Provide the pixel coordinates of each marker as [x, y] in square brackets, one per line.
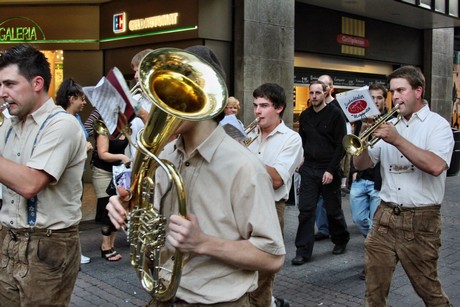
[438, 68]
[264, 50]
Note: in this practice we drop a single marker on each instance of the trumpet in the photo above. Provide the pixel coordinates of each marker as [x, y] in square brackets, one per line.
[4, 106]
[355, 145]
[249, 128]
[136, 89]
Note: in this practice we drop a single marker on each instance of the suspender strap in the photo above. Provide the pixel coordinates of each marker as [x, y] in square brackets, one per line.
[32, 202]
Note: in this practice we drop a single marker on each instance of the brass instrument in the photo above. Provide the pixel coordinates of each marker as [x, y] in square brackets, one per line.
[355, 145]
[180, 86]
[4, 106]
[248, 130]
[136, 89]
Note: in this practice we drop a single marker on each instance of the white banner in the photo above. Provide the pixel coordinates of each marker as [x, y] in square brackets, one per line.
[357, 104]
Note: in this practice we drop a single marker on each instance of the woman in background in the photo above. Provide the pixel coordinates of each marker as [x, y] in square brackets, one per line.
[70, 97]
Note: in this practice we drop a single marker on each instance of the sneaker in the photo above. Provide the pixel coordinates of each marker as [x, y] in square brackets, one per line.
[84, 259]
[281, 302]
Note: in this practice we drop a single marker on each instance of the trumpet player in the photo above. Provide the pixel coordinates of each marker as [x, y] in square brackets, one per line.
[231, 232]
[414, 157]
[280, 150]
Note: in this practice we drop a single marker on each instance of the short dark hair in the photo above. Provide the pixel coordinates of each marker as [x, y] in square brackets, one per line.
[412, 74]
[30, 61]
[273, 92]
[376, 87]
[68, 89]
[323, 85]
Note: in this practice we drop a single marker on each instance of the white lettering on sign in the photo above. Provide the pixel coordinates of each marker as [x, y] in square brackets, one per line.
[153, 22]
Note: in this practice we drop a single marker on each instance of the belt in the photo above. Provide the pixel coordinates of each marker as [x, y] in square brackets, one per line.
[397, 209]
[15, 232]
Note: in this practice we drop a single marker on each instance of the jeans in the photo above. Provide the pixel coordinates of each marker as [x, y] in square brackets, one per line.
[311, 187]
[321, 217]
[364, 200]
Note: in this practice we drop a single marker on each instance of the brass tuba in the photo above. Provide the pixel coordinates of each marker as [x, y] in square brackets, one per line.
[181, 86]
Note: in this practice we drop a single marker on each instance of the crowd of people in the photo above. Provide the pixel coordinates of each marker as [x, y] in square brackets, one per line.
[231, 239]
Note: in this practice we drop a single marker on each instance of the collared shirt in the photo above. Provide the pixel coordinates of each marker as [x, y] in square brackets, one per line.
[228, 189]
[60, 151]
[403, 183]
[282, 150]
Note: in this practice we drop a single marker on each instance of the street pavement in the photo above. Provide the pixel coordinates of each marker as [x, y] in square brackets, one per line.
[327, 280]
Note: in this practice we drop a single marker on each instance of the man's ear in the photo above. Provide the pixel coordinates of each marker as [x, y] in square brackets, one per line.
[38, 83]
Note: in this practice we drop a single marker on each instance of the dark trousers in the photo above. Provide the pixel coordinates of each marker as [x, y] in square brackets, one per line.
[310, 188]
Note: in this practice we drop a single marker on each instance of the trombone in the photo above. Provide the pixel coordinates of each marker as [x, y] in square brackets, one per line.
[249, 128]
[355, 145]
[4, 106]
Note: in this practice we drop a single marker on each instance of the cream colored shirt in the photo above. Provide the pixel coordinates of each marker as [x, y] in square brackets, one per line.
[282, 150]
[228, 189]
[60, 151]
[402, 182]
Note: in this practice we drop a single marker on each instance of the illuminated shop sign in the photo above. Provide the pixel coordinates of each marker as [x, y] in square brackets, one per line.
[352, 40]
[20, 29]
[153, 22]
[120, 21]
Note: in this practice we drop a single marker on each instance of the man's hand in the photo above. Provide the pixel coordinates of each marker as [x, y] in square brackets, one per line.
[117, 207]
[387, 132]
[185, 234]
[327, 178]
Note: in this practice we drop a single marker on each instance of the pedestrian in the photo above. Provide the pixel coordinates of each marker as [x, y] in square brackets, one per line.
[42, 163]
[322, 128]
[414, 156]
[280, 150]
[232, 230]
[70, 97]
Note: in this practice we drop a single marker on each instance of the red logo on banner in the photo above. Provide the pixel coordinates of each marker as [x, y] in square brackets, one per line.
[357, 106]
[352, 41]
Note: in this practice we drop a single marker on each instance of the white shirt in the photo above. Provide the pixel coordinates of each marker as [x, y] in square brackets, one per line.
[402, 182]
[282, 150]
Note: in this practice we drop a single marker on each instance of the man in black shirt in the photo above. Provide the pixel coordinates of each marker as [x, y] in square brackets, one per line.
[322, 128]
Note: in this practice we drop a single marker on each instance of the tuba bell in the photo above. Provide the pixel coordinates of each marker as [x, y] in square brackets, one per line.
[181, 86]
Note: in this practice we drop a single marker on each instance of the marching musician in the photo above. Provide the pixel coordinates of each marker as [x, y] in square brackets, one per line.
[280, 150]
[42, 160]
[414, 156]
[231, 231]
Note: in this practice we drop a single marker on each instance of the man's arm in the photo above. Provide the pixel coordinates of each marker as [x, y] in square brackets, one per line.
[22, 179]
[424, 160]
[186, 235]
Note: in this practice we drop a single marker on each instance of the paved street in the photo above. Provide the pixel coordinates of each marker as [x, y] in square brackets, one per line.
[328, 280]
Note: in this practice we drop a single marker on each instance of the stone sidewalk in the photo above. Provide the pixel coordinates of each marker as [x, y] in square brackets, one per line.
[327, 280]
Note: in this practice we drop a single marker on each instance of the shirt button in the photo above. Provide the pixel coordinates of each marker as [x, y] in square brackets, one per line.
[11, 222]
[18, 154]
[187, 163]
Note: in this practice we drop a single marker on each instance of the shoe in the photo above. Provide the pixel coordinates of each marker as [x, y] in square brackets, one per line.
[281, 302]
[362, 275]
[319, 236]
[339, 249]
[110, 255]
[84, 259]
[299, 260]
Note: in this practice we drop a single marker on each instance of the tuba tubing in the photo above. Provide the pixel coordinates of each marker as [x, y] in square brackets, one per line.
[181, 86]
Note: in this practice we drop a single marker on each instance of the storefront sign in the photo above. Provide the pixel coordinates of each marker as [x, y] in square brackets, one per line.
[119, 23]
[304, 75]
[20, 29]
[352, 41]
[153, 22]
